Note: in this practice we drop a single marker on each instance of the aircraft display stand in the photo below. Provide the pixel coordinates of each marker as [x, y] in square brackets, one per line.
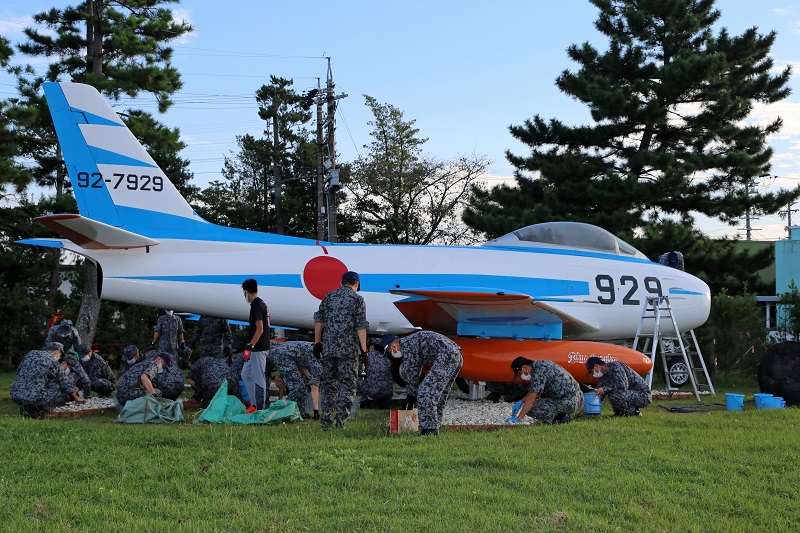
[680, 349]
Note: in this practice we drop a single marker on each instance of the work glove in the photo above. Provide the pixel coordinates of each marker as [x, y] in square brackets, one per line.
[516, 409]
[317, 350]
[151, 347]
[182, 345]
[246, 352]
[411, 401]
[512, 420]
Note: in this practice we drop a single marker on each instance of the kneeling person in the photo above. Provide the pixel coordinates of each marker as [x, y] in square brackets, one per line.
[625, 389]
[41, 382]
[138, 380]
[554, 393]
[206, 376]
[419, 349]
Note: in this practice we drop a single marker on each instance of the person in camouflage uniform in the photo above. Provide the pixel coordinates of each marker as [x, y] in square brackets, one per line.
[170, 381]
[100, 375]
[626, 389]
[235, 376]
[206, 376]
[340, 336]
[417, 350]
[311, 367]
[511, 392]
[168, 333]
[215, 337]
[289, 358]
[554, 393]
[378, 384]
[65, 333]
[41, 383]
[138, 381]
[77, 374]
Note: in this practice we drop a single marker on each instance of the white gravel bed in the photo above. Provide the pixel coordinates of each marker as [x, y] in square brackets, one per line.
[91, 403]
[464, 412]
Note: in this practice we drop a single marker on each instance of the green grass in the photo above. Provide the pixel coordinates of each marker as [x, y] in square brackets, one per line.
[723, 471]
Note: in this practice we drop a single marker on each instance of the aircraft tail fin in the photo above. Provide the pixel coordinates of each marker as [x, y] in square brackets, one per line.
[115, 180]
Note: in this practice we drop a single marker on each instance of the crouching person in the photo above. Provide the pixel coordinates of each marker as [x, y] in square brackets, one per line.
[554, 394]
[41, 383]
[138, 380]
[100, 375]
[206, 376]
[419, 349]
[625, 389]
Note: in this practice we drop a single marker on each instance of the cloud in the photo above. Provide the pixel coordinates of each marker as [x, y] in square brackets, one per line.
[183, 16]
[783, 12]
[12, 27]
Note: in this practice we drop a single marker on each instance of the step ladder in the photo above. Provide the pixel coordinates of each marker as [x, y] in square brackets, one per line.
[681, 359]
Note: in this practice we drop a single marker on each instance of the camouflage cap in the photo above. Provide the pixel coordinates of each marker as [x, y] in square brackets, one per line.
[82, 349]
[66, 323]
[55, 346]
[130, 351]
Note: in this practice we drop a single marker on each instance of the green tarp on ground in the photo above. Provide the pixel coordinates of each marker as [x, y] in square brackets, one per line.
[151, 410]
[225, 409]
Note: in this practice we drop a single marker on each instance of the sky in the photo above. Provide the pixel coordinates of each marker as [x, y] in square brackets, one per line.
[463, 70]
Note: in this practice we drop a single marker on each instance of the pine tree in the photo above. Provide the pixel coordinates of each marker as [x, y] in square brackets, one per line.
[667, 140]
[117, 46]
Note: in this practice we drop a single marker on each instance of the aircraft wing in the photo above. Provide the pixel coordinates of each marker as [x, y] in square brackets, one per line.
[484, 313]
[93, 235]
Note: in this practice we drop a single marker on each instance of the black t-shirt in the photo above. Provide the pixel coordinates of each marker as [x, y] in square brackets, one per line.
[259, 311]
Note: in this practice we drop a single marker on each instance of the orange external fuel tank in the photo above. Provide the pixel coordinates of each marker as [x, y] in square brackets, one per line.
[490, 359]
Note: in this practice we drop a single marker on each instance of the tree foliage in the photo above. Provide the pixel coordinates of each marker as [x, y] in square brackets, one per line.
[668, 138]
[400, 196]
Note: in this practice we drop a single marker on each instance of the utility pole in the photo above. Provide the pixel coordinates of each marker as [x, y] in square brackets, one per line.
[332, 180]
[788, 214]
[276, 177]
[321, 211]
[751, 189]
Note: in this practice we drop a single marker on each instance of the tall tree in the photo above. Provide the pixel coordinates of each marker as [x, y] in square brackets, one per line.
[668, 101]
[400, 196]
[118, 46]
[269, 184]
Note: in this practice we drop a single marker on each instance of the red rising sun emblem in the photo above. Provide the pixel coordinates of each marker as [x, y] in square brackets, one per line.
[322, 275]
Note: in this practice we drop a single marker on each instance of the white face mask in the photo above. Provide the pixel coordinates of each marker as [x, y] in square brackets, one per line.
[246, 299]
[398, 354]
[597, 374]
[526, 377]
[170, 311]
[160, 367]
[130, 361]
[85, 358]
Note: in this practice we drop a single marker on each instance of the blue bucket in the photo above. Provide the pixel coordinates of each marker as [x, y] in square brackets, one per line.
[592, 405]
[774, 402]
[734, 402]
[760, 397]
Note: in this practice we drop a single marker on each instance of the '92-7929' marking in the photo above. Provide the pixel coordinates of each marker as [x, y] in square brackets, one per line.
[132, 182]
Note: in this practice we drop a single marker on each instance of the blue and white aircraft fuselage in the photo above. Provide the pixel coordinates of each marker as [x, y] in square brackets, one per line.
[545, 282]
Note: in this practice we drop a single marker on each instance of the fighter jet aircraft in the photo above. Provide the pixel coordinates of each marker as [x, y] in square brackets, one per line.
[542, 291]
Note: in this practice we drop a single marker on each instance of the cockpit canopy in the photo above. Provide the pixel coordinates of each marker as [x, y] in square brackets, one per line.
[567, 235]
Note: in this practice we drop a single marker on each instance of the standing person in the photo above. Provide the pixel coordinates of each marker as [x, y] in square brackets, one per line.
[100, 375]
[340, 337]
[255, 353]
[554, 392]
[41, 383]
[65, 333]
[168, 333]
[419, 349]
[626, 389]
[215, 337]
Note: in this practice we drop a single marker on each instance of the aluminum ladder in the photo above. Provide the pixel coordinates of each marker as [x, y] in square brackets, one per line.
[680, 345]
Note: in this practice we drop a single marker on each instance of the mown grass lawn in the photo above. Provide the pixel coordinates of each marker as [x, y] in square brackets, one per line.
[723, 471]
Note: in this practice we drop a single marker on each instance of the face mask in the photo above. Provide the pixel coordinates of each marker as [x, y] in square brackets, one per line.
[526, 377]
[85, 358]
[398, 354]
[170, 311]
[130, 361]
[246, 299]
[160, 367]
[597, 374]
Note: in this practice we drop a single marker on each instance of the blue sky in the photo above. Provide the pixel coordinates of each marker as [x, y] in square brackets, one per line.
[464, 71]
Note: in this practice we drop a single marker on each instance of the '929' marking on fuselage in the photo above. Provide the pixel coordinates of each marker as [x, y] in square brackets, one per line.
[132, 182]
[605, 284]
